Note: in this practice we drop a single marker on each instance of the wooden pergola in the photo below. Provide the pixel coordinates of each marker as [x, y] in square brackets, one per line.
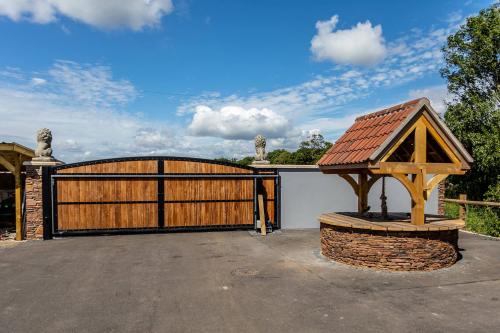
[409, 142]
[12, 156]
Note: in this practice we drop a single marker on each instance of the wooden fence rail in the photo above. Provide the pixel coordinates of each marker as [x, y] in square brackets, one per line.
[463, 202]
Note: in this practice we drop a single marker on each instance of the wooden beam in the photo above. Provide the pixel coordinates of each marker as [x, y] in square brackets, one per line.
[462, 209]
[410, 187]
[373, 180]
[14, 147]
[432, 183]
[414, 168]
[351, 182]
[418, 202]
[441, 142]
[18, 199]
[262, 215]
[398, 143]
[7, 164]
[420, 142]
[362, 193]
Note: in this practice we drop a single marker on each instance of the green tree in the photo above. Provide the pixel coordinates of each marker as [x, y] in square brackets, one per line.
[245, 160]
[224, 159]
[280, 156]
[310, 151]
[472, 70]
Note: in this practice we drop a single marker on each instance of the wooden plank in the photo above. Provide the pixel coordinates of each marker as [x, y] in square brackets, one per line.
[362, 192]
[9, 165]
[351, 181]
[471, 202]
[106, 216]
[194, 167]
[418, 202]
[262, 215]
[18, 199]
[432, 183]
[398, 143]
[410, 187]
[146, 166]
[85, 190]
[420, 142]
[441, 142]
[407, 167]
[343, 220]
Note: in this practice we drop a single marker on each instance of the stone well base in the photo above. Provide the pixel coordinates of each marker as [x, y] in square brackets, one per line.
[390, 250]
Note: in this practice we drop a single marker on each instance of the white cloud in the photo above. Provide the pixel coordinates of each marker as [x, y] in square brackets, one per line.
[91, 84]
[38, 81]
[109, 14]
[234, 122]
[85, 124]
[438, 95]
[324, 102]
[83, 105]
[360, 45]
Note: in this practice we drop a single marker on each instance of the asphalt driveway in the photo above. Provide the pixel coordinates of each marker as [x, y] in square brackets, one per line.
[236, 282]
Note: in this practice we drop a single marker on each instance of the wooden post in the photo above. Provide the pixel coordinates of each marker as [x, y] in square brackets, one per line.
[18, 201]
[383, 201]
[262, 215]
[362, 193]
[418, 202]
[462, 210]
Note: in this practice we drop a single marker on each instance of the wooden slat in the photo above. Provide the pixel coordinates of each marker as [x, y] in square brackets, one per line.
[85, 190]
[200, 167]
[262, 215]
[345, 220]
[476, 203]
[108, 216]
[147, 166]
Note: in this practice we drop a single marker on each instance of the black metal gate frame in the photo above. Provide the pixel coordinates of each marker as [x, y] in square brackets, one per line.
[50, 203]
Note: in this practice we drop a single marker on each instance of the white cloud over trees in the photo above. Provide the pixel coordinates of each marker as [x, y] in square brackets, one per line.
[235, 122]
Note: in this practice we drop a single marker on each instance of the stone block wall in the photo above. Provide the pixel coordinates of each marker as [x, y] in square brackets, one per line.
[396, 251]
[441, 196]
[34, 207]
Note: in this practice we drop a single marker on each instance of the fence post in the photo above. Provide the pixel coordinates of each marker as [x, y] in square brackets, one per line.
[462, 212]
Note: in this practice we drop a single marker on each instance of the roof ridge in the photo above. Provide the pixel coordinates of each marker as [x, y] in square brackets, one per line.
[394, 108]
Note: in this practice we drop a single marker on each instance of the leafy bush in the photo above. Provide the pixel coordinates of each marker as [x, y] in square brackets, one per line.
[483, 220]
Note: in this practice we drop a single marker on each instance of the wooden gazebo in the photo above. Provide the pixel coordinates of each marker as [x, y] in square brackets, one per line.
[12, 156]
[409, 142]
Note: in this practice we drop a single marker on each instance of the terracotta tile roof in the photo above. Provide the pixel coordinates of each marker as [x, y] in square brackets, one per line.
[367, 134]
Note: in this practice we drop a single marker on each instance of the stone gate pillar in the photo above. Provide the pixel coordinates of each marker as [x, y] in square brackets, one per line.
[34, 197]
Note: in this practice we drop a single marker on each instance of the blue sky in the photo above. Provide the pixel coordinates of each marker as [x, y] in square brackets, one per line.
[201, 78]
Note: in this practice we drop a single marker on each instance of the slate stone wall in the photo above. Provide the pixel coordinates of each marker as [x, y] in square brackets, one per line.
[396, 251]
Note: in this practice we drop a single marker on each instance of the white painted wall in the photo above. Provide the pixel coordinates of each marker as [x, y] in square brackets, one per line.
[307, 193]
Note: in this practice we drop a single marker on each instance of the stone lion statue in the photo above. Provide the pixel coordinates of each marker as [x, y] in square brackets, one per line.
[44, 142]
[260, 148]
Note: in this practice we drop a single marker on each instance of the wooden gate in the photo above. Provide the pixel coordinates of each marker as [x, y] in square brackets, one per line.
[156, 194]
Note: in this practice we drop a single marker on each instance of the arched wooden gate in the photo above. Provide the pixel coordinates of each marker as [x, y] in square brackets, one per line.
[156, 194]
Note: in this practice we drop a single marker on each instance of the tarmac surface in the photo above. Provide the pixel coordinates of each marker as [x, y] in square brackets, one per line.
[236, 282]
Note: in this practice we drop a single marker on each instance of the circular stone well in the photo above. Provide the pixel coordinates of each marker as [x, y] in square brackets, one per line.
[389, 245]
